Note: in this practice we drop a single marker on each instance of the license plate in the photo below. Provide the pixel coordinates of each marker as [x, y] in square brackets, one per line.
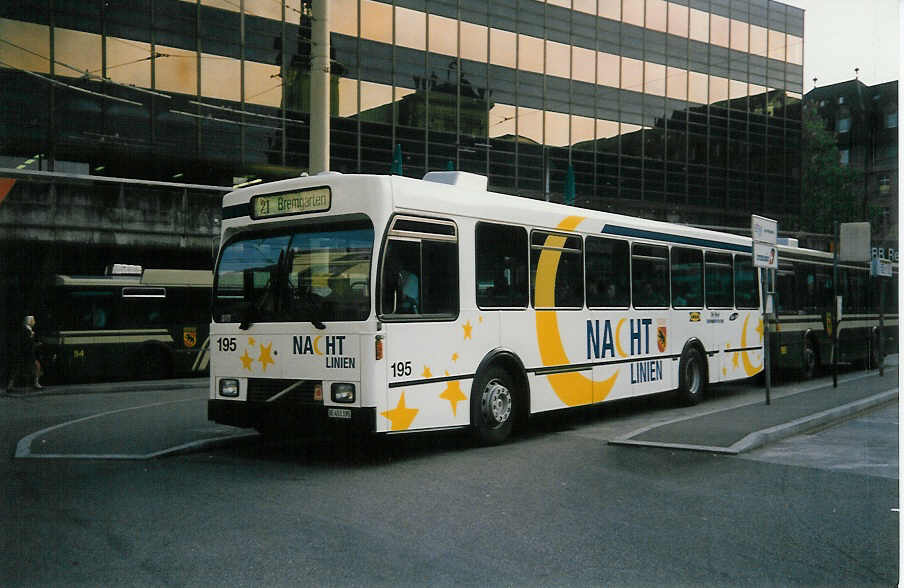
[339, 413]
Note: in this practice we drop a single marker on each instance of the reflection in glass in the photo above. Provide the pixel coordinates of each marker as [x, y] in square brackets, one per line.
[699, 25]
[502, 48]
[376, 21]
[343, 16]
[739, 33]
[128, 62]
[737, 89]
[585, 6]
[411, 28]
[676, 83]
[631, 74]
[502, 120]
[530, 54]
[557, 129]
[718, 30]
[176, 70]
[376, 102]
[582, 129]
[473, 42]
[220, 77]
[25, 45]
[654, 79]
[583, 63]
[795, 50]
[262, 84]
[607, 72]
[718, 89]
[758, 40]
[347, 98]
[609, 9]
[76, 53]
[558, 59]
[678, 19]
[632, 12]
[776, 45]
[530, 124]
[606, 129]
[697, 87]
[443, 35]
[657, 15]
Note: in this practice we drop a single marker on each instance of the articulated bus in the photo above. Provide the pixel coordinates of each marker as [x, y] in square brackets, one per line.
[393, 304]
[132, 323]
[801, 338]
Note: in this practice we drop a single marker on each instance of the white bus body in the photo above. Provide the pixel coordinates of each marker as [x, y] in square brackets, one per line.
[468, 364]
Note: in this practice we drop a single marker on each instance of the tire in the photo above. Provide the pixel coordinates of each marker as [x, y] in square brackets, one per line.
[809, 360]
[691, 377]
[493, 406]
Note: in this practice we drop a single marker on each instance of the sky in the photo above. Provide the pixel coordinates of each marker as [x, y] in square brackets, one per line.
[840, 35]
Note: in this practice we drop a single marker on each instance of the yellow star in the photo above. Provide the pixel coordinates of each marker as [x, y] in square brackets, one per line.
[734, 359]
[480, 319]
[454, 395]
[401, 416]
[247, 360]
[265, 357]
[724, 372]
[251, 341]
[454, 357]
[427, 373]
[759, 329]
[467, 327]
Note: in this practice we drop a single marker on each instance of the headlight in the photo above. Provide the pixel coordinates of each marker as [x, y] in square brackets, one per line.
[229, 387]
[342, 392]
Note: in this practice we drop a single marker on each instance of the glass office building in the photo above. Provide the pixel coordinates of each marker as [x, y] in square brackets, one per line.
[687, 110]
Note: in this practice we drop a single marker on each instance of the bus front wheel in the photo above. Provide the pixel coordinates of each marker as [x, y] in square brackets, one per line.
[493, 405]
[691, 377]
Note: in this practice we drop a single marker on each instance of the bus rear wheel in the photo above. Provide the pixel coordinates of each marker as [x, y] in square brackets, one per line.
[691, 377]
[493, 406]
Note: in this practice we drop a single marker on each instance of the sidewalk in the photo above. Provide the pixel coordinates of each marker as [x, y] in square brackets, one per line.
[111, 387]
[744, 428]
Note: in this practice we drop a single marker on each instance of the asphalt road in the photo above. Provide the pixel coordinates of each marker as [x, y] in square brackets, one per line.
[557, 506]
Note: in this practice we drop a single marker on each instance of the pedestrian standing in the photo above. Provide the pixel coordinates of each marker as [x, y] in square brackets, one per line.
[28, 366]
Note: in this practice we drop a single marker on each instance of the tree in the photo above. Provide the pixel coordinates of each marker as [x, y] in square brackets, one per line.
[830, 191]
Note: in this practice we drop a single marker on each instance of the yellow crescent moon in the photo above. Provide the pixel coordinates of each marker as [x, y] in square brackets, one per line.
[749, 368]
[316, 350]
[572, 388]
[618, 347]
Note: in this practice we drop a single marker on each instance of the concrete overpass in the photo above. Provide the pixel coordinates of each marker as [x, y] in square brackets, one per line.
[54, 222]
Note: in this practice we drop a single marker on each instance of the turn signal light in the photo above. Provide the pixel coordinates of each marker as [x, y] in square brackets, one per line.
[378, 347]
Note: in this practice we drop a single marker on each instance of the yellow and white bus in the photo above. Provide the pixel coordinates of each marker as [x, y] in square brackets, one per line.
[397, 304]
[131, 323]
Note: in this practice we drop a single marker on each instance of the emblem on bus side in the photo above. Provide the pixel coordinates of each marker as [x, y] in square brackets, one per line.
[190, 336]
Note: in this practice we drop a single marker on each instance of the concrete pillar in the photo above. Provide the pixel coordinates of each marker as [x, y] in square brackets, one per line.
[319, 150]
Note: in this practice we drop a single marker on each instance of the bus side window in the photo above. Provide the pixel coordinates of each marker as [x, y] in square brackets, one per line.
[747, 293]
[687, 277]
[501, 266]
[650, 276]
[719, 280]
[606, 272]
[557, 267]
[786, 298]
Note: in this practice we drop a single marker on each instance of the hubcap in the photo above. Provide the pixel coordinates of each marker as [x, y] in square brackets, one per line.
[496, 403]
[692, 376]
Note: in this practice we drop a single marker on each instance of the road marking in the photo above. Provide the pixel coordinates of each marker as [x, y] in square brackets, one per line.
[23, 448]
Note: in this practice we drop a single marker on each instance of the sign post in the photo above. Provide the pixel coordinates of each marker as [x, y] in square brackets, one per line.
[765, 255]
[880, 269]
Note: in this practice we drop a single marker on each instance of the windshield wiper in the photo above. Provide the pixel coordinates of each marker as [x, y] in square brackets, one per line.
[311, 306]
[250, 313]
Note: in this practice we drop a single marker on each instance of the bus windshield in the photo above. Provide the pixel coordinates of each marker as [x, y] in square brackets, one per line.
[315, 273]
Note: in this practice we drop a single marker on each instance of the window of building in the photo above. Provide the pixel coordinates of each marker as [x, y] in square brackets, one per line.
[891, 120]
[844, 156]
[607, 269]
[501, 265]
[844, 124]
[556, 267]
[650, 276]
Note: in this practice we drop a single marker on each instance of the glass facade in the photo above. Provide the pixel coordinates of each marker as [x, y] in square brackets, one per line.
[687, 110]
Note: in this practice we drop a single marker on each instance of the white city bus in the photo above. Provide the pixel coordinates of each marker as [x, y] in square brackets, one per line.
[395, 304]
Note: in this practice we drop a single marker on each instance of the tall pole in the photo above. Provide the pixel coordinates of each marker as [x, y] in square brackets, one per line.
[319, 145]
[835, 319]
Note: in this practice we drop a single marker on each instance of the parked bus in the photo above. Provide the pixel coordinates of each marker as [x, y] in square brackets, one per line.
[132, 323]
[395, 304]
[802, 337]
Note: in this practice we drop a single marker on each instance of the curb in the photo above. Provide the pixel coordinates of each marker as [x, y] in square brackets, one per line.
[107, 388]
[763, 437]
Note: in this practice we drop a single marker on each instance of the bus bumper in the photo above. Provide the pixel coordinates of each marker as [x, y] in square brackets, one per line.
[300, 418]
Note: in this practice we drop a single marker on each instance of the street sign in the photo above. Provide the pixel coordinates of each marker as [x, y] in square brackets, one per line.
[763, 229]
[765, 255]
[854, 242]
[881, 268]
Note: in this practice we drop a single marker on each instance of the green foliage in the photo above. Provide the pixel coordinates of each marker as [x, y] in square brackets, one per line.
[829, 191]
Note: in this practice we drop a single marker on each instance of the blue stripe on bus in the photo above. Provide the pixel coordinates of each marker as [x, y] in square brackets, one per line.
[655, 235]
[236, 210]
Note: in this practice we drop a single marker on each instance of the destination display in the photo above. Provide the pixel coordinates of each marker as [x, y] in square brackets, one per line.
[300, 202]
